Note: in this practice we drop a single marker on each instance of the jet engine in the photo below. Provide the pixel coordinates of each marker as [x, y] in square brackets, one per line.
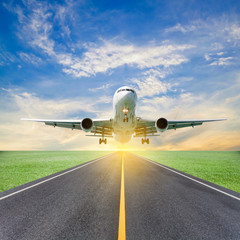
[87, 124]
[161, 124]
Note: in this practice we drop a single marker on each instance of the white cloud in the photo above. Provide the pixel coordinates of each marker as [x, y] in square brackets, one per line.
[185, 79]
[5, 57]
[30, 58]
[156, 73]
[151, 83]
[103, 87]
[61, 15]
[179, 28]
[34, 107]
[36, 28]
[207, 57]
[171, 107]
[36, 24]
[233, 99]
[220, 53]
[214, 36]
[221, 61]
[216, 46]
[234, 31]
[217, 59]
[110, 56]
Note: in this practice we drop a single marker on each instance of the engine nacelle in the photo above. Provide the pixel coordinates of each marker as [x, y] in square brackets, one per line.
[161, 124]
[87, 124]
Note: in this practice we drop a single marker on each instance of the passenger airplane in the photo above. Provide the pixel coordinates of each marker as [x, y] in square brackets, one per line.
[124, 125]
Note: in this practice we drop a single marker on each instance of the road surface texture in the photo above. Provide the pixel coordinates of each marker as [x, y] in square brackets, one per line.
[84, 203]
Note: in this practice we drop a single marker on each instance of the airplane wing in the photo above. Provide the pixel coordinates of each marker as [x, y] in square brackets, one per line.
[146, 127]
[99, 126]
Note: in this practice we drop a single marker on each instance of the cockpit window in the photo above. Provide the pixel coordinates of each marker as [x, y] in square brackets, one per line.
[126, 89]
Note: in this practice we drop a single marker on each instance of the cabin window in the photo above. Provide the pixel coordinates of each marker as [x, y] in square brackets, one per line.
[130, 90]
[120, 90]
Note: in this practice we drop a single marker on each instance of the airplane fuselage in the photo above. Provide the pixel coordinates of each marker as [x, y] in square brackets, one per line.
[124, 120]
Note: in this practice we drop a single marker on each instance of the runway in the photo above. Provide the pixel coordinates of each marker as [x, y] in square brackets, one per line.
[84, 203]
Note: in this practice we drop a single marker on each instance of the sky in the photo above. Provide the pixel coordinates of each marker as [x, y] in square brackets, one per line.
[65, 60]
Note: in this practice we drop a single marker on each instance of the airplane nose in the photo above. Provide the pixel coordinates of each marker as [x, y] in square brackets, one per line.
[128, 96]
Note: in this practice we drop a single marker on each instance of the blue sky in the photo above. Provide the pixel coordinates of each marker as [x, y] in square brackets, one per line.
[65, 59]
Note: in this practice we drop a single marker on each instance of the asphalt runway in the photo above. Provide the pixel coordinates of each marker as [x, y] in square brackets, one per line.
[84, 203]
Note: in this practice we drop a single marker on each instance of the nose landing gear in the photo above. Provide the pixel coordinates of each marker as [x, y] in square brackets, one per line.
[125, 111]
[145, 140]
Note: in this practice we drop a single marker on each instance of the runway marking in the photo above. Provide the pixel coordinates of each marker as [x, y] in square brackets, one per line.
[206, 185]
[49, 179]
[122, 224]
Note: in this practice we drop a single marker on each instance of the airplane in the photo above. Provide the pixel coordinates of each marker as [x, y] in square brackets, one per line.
[125, 124]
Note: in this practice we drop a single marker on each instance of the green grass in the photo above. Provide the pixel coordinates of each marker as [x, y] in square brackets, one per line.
[19, 167]
[219, 167]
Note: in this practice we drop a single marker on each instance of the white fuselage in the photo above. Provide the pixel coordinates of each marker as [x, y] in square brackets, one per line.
[124, 121]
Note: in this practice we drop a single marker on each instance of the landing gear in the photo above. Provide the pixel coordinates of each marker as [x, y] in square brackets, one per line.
[102, 140]
[125, 111]
[145, 140]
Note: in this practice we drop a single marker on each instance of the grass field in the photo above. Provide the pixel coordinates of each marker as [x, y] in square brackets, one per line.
[19, 167]
[219, 167]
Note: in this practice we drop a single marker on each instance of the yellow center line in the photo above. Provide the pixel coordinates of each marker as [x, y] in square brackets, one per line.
[122, 224]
